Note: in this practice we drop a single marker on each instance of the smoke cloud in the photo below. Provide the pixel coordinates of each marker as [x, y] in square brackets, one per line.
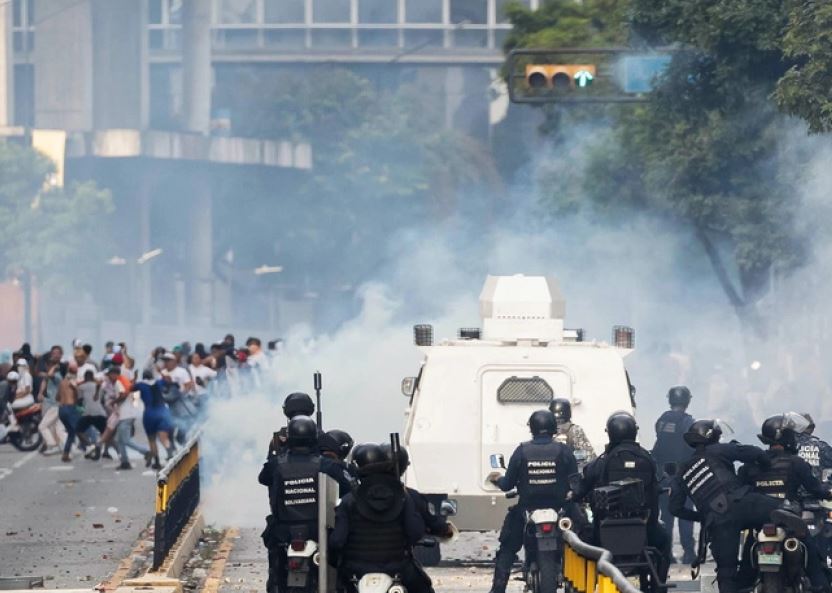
[637, 272]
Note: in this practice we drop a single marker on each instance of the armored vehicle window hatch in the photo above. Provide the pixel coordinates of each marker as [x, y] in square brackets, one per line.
[525, 390]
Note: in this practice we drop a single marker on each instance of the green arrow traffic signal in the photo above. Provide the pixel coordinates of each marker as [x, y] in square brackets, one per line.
[583, 78]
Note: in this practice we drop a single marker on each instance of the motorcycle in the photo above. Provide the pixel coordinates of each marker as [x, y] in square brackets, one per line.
[818, 517]
[779, 557]
[542, 543]
[302, 564]
[20, 427]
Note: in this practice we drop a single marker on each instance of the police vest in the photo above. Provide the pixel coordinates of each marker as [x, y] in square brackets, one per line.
[775, 481]
[376, 535]
[670, 442]
[628, 460]
[708, 482]
[538, 485]
[809, 450]
[296, 492]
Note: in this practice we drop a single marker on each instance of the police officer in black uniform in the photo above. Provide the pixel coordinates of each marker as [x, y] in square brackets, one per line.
[539, 469]
[786, 478]
[336, 444]
[670, 447]
[377, 524]
[292, 479]
[624, 458]
[813, 450]
[435, 523]
[295, 404]
[723, 504]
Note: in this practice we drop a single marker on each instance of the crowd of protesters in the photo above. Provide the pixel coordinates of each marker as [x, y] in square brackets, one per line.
[94, 405]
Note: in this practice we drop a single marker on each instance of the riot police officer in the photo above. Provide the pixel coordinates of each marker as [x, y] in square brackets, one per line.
[670, 447]
[788, 472]
[723, 504]
[815, 451]
[295, 404]
[336, 444]
[377, 524]
[786, 477]
[570, 433]
[624, 458]
[292, 479]
[435, 523]
[539, 469]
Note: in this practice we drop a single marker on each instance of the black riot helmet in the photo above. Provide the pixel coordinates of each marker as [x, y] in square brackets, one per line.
[621, 426]
[404, 456]
[562, 409]
[703, 432]
[302, 432]
[783, 430]
[679, 396]
[369, 458]
[338, 442]
[298, 404]
[543, 422]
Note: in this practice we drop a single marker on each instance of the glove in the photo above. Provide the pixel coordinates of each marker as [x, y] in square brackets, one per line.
[494, 477]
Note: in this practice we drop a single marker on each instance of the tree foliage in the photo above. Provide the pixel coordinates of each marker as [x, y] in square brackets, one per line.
[383, 159]
[804, 91]
[704, 151]
[60, 235]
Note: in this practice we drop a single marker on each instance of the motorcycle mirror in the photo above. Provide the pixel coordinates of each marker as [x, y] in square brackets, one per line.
[670, 469]
[448, 508]
[498, 461]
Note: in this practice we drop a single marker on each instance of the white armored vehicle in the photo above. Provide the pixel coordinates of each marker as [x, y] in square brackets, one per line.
[473, 395]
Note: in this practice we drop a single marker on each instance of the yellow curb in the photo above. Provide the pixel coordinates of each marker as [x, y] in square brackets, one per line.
[212, 583]
[114, 582]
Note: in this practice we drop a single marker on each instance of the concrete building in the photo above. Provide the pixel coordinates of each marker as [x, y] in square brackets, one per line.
[132, 81]
[75, 82]
[455, 45]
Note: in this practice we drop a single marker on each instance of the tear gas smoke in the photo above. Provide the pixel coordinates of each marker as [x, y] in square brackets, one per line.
[639, 271]
[627, 274]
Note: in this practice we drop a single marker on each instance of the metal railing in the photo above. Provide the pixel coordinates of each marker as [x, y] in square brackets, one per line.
[177, 497]
[586, 568]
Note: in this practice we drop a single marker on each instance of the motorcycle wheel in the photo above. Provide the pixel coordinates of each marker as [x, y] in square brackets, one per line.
[27, 438]
[547, 574]
[428, 556]
[773, 582]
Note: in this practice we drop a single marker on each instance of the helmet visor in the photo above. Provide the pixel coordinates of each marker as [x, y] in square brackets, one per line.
[723, 426]
[796, 422]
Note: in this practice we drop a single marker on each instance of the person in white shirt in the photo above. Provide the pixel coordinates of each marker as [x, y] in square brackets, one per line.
[23, 397]
[257, 359]
[112, 393]
[202, 375]
[179, 386]
[129, 408]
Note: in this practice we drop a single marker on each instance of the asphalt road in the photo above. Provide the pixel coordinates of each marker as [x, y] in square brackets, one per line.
[71, 523]
[247, 567]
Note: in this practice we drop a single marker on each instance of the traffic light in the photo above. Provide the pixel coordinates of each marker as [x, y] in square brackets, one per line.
[559, 77]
